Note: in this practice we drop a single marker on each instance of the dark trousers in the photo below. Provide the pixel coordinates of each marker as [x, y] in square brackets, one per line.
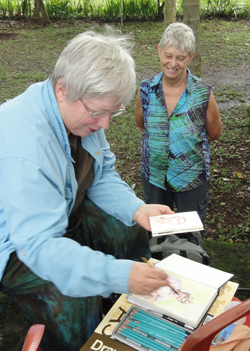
[192, 200]
[69, 322]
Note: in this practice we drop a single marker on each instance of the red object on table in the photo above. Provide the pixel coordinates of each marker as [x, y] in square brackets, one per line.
[33, 338]
[201, 338]
[247, 322]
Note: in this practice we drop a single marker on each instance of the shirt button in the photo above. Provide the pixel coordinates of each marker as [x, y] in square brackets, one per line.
[97, 153]
[23, 253]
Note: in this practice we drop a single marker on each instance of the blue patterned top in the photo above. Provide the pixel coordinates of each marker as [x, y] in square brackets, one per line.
[175, 148]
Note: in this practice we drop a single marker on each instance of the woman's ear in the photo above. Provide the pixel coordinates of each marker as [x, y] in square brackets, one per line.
[191, 58]
[60, 91]
[159, 50]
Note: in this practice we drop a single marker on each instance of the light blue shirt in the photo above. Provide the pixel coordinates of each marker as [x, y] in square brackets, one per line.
[37, 192]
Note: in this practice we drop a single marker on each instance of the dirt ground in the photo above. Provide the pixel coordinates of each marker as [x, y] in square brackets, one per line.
[238, 79]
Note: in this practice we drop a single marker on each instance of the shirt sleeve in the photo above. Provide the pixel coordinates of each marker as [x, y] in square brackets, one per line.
[107, 190]
[35, 211]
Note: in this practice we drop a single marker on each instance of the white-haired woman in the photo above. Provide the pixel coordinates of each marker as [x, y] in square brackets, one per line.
[178, 115]
[70, 228]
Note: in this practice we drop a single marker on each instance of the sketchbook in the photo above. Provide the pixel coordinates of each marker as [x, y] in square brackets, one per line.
[195, 287]
[181, 222]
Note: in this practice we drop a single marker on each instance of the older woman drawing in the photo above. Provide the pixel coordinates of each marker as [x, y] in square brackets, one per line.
[70, 228]
[178, 115]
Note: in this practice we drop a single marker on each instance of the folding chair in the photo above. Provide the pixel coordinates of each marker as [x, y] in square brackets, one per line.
[201, 338]
[33, 338]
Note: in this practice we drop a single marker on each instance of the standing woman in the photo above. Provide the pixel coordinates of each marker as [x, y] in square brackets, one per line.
[179, 116]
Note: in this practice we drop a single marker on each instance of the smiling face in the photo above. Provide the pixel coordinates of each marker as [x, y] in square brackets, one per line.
[174, 62]
[77, 119]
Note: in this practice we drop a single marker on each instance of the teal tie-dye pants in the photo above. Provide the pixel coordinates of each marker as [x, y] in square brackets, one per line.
[69, 322]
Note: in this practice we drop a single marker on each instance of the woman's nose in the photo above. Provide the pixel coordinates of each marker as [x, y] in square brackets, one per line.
[173, 62]
[105, 121]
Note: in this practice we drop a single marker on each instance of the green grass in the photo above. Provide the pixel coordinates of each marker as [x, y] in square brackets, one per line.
[229, 43]
[30, 56]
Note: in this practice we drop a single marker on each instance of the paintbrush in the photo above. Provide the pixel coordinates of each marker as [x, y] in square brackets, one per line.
[150, 264]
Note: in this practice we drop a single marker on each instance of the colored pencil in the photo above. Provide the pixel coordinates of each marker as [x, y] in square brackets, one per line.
[148, 318]
[167, 328]
[171, 340]
[133, 337]
[155, 331]
[143, 340]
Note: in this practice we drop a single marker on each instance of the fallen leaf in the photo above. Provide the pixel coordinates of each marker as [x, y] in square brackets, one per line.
[239, 175]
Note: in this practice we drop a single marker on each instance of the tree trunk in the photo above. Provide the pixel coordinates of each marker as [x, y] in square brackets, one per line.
[191, 17]
[40, 11]
[169, 12]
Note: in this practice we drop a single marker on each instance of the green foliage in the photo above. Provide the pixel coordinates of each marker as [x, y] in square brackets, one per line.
[222, 7]
[149, 9]
[132, 9]
[63, 9]
[25, 8]
[7, 8]
[4, 7]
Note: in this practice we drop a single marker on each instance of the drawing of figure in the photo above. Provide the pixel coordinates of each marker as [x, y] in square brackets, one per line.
[176, 220]
[165, 293]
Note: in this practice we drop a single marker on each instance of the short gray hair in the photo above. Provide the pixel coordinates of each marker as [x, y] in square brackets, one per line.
[94, 65]
[180, 36]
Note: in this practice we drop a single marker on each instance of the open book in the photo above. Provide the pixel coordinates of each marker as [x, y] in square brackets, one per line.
[195, 287]
[180, 222]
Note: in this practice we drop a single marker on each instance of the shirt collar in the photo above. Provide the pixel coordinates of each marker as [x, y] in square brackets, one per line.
[157, 80]
[55, 117]
[189, 81]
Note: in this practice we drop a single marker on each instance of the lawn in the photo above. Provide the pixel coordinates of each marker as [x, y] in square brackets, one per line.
[28, 54]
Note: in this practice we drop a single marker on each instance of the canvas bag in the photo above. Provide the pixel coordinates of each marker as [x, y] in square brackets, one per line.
[188, 245]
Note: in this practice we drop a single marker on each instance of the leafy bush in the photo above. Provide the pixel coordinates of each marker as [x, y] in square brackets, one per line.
[4, 8]
[132, 9]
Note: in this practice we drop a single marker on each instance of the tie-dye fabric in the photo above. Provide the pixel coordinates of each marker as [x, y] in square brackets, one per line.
[175, 148]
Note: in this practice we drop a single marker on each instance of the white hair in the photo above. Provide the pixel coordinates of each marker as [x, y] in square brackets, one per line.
[180, 36]
[94, 65]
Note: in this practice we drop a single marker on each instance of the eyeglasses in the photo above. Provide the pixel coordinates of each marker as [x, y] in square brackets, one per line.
[104, 113]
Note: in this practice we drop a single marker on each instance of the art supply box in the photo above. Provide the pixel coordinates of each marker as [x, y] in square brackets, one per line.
[146, 331]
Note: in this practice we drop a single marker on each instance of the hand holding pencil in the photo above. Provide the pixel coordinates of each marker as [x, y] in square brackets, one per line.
[143, 280]
[167, 284]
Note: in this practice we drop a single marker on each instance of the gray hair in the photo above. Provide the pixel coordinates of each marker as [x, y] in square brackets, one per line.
[180, 36]
[94, 65]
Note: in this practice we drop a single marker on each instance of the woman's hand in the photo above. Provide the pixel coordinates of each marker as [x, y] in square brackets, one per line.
[143, 213]
[144, 279]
